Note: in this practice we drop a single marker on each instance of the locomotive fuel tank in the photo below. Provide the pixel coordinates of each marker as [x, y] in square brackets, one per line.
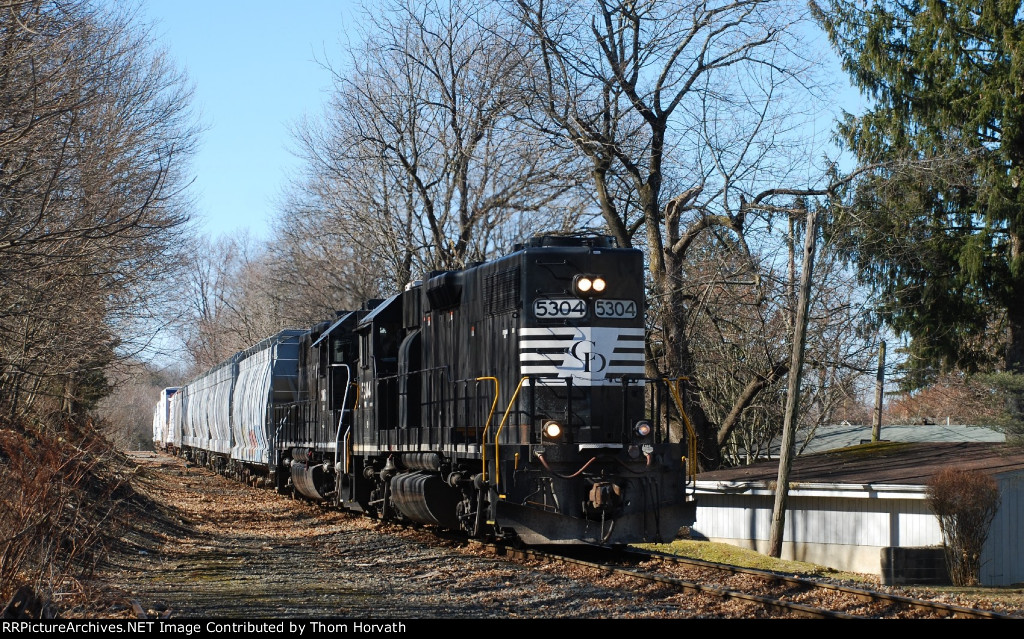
[426, 498]
[312, 481]
[419, 491]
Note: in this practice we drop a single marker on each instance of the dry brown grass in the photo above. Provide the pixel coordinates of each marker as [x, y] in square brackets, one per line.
[56, 509]
[1006, 597]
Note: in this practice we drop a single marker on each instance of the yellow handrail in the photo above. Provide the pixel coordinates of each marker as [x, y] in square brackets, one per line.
[691, 468]
[497, 435]
[487, 425]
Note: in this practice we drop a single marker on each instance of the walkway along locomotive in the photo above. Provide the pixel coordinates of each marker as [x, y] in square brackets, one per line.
[503, 400]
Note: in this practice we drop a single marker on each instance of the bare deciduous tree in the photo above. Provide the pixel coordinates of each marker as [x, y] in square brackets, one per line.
[231, 300]
[94, 135]
[316, 270]
[421, 161]
[126, 414]
[689, 114]
[737, 330]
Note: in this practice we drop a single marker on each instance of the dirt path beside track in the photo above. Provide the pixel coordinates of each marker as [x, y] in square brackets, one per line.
[203, 546]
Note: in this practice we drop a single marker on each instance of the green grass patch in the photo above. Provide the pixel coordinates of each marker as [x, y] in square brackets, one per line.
[744, 558]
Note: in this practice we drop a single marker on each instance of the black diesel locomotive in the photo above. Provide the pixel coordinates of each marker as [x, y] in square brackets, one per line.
[504, 400]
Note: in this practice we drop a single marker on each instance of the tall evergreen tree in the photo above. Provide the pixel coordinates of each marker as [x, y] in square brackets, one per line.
[939, 229]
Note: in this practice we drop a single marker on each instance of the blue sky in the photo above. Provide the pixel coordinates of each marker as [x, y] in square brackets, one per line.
[256, 73]
[254, 65]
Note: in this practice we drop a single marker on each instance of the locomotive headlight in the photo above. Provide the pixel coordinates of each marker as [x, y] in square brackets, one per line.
[552, 430]
[586, 285]
[642, 428]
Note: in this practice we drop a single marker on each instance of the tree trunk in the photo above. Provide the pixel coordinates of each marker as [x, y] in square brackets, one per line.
[676, 360]
[876, 424]
[1014, 358]
[788, 448]
[1015, 311]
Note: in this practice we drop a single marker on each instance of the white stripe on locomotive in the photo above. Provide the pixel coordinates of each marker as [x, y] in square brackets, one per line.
[591, 355]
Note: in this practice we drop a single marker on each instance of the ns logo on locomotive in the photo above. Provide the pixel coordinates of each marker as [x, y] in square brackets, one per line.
[506, 400]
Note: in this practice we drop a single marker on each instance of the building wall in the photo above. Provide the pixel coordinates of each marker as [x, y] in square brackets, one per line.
[849, 532]
[846, 534]
[1002, 562]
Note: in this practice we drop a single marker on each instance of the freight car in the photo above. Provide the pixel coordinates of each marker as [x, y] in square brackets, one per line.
[504, 400]
[163, 416]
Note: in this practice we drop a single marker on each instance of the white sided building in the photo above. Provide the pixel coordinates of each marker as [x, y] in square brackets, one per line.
[865, 509]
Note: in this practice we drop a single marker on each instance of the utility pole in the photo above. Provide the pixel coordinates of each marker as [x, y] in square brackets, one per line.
[788, 448]
[876, 423]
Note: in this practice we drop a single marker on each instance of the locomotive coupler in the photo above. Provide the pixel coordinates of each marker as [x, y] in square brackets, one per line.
[605, 496]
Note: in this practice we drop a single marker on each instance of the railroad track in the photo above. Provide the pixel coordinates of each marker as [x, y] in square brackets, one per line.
[678, 581]
[777, 595]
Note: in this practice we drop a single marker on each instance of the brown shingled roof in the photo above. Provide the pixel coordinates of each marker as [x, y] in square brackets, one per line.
[883, 463]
